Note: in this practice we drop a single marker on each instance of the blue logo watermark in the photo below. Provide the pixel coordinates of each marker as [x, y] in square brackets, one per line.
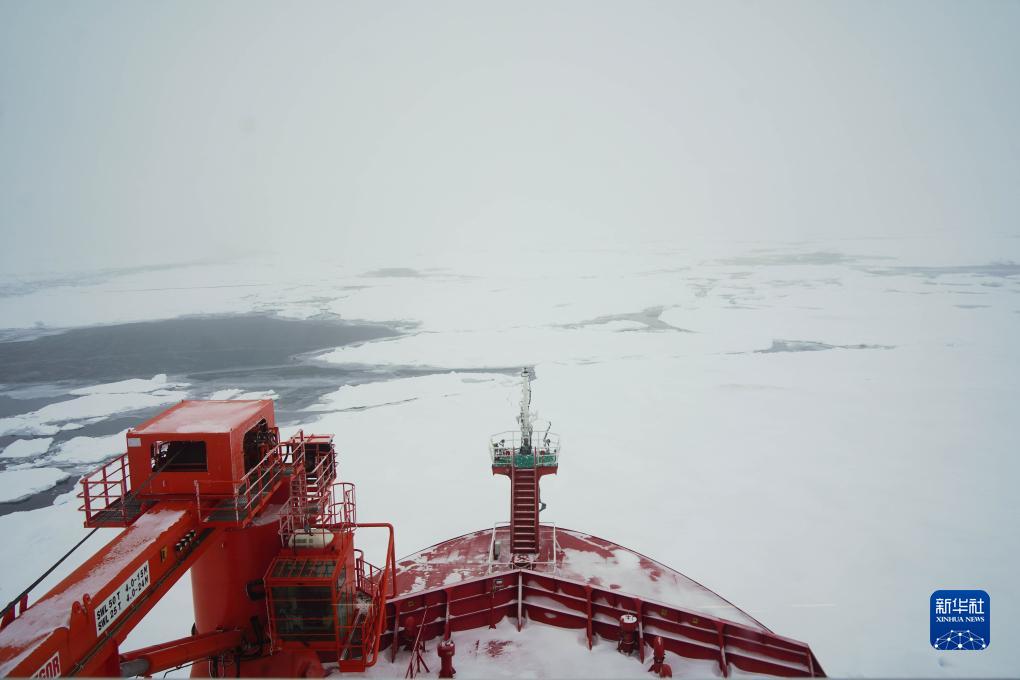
[960, 619]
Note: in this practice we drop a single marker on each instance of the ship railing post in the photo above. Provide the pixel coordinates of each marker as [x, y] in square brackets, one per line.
[87, 497]
[641, 629]
[106, 487]
[724, 665]
[198, 502]
[555, 550]
[123, 487]
[125, 474]
[237, 501]
[396, 632]
[492, 547]
[492, 602]
[587, 612]
[520, 599]
[447, 627]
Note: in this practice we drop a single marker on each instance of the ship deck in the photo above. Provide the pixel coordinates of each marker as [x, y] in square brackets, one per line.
[567, 554]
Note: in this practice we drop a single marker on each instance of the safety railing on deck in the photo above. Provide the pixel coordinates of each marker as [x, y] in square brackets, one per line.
[336, 514]
[322, 477]
[505, 450]
[342, 513]
[104, 495]
[237, 502]
[378, 585]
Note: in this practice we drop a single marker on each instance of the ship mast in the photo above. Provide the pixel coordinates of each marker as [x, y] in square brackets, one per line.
[524, 418]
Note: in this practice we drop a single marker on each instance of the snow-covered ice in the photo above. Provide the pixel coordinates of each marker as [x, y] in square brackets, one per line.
[90, 450]
[94, 404]
[370, 395]
[234, 393]
[16, 485]
[132, 386]
[27, 448]
[826, 492]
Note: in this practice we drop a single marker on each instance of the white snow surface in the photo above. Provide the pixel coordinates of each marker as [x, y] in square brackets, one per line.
[371, 395]
[131, 386]
[82, 450]
[27, 448]
[538, 651]
[16, 485]
[234, 393]
[826, 492]
[94, 404]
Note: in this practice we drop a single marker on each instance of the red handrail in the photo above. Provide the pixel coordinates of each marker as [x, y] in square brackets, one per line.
[387, 577]
[251, 492]
[112, 486]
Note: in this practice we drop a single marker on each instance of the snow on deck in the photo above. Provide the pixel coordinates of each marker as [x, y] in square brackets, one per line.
[537, 651]
[575, 556]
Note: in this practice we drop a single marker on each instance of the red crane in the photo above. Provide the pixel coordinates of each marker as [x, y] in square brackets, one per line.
[278, 586]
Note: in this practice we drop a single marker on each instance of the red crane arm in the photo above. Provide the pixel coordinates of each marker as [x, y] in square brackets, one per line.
[75, 629]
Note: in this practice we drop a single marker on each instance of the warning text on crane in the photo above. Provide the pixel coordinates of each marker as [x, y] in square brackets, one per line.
[113, 606]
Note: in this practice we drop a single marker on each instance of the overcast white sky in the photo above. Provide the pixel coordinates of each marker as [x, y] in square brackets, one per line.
[136, 132]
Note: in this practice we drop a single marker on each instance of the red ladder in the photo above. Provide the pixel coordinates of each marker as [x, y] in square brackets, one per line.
[523, 511]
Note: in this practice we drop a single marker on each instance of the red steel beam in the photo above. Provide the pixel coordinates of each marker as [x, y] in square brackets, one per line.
[161, 657]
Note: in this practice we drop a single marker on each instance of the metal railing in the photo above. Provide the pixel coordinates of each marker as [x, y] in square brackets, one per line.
[505, 450]
[335, 515]
[227, 501]
[343, 512]
[104, 492]
[323, 474]
[378, 584]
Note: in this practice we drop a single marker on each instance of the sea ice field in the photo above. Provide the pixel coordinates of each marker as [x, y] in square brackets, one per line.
[824, 433]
